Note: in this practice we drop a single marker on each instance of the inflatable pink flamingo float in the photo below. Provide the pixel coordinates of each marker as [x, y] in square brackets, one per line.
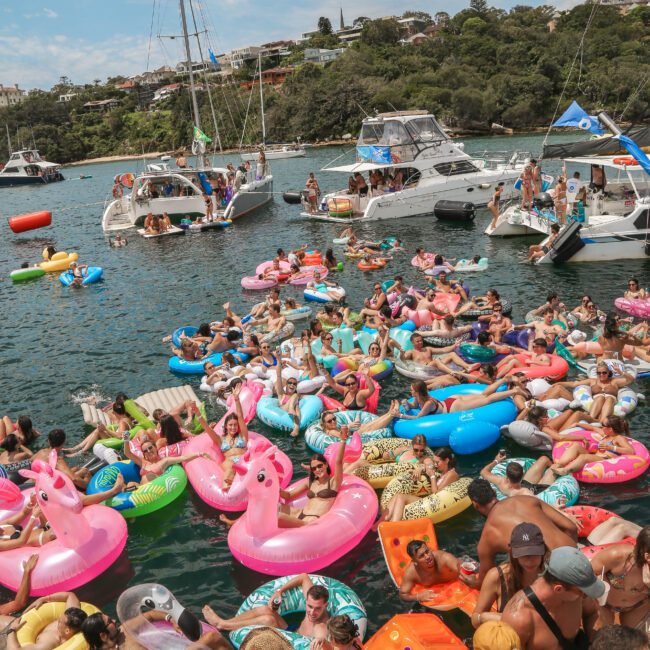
[206, 474]
[258, 542]
[88, 540]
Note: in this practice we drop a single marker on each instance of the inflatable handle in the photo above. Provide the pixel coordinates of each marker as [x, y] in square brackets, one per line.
[353, 450]
[134, 411]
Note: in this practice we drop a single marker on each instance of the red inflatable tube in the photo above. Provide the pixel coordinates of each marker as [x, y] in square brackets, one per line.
[30, 221]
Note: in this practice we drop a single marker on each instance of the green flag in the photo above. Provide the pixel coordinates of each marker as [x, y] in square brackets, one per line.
[200, 136]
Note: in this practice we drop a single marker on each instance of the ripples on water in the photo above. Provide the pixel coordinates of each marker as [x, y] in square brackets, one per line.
[61, 346]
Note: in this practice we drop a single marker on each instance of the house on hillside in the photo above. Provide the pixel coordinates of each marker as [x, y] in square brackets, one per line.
[128, 86]
[101, 105]
[68, 97]
[276, 48]
[238, 57]
[164, 92]
[416, 39]
[625, 6]
[321, 56]
[10, 95]
[270, 77]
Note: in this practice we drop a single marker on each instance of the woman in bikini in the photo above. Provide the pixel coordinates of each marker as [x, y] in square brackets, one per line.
[22, 428]
[354, 397]
[526, 187]
[288, 398]
[493, 205]
[12, 451]
[428, 405]
[633, 291]
[322, 489]
[604, 390]
[612, 444]
[612, 340]
[526, 554]
[331, 428]
[412, 453]
[560, 200]
[626, 569]
[441, 472]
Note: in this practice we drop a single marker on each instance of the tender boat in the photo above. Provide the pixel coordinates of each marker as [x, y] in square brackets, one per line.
[433, 168]
[26, 167]
[276, 153]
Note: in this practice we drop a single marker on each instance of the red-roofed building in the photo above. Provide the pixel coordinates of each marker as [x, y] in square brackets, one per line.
[10, 95]
[270, 77]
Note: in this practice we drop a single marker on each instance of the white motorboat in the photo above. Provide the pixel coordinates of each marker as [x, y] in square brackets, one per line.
[179, 193]
[26, 167]
[624, 185]
[421, 166]
[276, 153]
[606, 237]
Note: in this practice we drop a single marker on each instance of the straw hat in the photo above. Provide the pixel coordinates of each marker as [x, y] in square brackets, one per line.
[265, 638]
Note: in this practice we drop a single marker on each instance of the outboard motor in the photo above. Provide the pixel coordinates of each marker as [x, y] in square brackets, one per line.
[567, 244]
[543, 200]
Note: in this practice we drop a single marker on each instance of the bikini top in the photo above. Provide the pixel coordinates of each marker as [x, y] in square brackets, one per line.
[354, 405]
[325, 493]
[240, 443]
[269, 365]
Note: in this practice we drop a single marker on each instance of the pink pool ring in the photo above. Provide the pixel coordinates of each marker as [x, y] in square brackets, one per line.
[558, 368]
[417, 261]
[634, 306]
[332, 404]
[307, 275]
[88, 540]
[254, 283]
[259, 543]
[593, 347]
[590, 517]
[12, 499]
[284, 266]
[206, 474]
[446, 302]
[625, 467]
[421, 317]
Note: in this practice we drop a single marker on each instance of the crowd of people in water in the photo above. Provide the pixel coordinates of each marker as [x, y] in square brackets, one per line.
[547, 594]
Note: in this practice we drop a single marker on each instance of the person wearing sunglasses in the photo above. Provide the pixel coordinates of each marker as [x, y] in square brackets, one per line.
[582, 312]
[266, 358]
[444, 285]
[378, 298]
[497, 323]
[288, 398]
[438, 358]
[613, 443]
[604, 391]
[440, 472]
[544, 329]
[613, 341]
[321, 490]
[634, 292]
[354, 397]
[323, 286]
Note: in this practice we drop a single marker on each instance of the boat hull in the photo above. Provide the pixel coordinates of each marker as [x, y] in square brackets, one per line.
[14, 181]
[275, 155]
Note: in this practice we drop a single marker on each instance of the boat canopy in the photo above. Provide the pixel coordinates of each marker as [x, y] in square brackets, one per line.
[362, 167]
[605, 161]
[602, 146]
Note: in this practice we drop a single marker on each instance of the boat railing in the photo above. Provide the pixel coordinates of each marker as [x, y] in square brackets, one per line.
[500, 159]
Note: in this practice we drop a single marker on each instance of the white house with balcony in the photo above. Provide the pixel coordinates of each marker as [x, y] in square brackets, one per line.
[322, 56]
[10, 95]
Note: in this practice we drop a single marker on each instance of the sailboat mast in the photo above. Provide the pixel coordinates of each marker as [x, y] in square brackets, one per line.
[259, 54]
[195, 106]
[9, 140]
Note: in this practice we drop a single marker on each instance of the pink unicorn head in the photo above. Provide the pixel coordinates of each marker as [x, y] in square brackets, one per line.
[59, 501]
[262, 483]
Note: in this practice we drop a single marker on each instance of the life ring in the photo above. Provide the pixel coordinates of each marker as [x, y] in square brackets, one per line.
[342, 600]
[564, 491]
[273, 415]
[371, 266]
[626, 160]
[317, 440]
[35, 620]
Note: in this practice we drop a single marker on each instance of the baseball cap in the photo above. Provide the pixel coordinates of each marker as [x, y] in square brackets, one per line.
[527, 539]
[496, 635]
[569, 565]
[577, 336]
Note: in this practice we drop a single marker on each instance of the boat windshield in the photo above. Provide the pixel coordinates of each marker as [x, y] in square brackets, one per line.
[425, 129]
[385, 142]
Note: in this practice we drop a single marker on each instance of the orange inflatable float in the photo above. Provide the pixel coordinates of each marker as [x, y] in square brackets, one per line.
[30, 221]
[370, 266]
[311, 258]
[394, 536]
[414, 631]
[626, 160]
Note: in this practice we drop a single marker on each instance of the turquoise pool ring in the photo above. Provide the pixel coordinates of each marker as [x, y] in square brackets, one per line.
[475, 352]
[342, 600]
[145, 499]
[564, 488]
[317, 440]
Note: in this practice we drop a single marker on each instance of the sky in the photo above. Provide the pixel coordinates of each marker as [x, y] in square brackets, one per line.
[87, 40]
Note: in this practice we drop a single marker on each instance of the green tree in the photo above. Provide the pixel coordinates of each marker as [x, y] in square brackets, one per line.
[384, 31]
[324, 26]
[479, 6]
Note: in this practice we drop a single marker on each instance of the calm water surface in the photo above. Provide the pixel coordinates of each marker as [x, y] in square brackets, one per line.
[58, 345]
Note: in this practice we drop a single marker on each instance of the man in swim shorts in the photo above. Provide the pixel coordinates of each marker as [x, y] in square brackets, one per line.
[428, 568]
[515, 482]
[314, 624]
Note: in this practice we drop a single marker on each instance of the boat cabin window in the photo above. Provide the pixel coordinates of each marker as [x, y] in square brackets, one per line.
[385, 142]
[10, 170]
[15, 156]
[425, 129]
[642, 222]
[455, 167]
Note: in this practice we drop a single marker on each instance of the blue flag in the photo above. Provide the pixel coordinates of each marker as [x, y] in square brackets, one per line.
[213, 58]
[636, 152]
[575, 115]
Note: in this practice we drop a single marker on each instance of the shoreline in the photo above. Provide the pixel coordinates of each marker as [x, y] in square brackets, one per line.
[155, 155]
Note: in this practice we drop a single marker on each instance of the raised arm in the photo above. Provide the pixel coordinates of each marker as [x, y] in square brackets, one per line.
[338, 463]
[22, 595]
[126, 448]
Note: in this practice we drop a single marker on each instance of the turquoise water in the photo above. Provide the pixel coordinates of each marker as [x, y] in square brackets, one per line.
[58, 345]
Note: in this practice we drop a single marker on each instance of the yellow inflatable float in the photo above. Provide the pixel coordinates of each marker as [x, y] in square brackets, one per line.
[36, 620]
[59, 262]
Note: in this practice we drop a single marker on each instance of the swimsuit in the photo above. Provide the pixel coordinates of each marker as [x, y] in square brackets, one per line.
[505, 591]
[325, 493]
[354, 405]
[270, 365]
[535, 488]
